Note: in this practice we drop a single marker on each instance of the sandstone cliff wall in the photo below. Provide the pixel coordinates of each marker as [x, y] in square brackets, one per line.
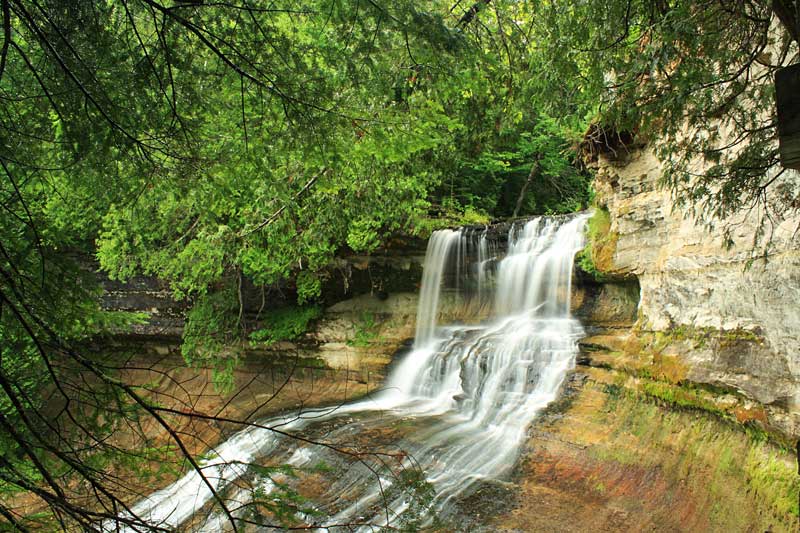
[745, 304]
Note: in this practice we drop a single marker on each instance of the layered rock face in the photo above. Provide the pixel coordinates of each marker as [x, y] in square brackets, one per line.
[747, 293]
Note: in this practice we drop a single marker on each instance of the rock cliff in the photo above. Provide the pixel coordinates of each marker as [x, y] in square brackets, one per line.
[731, 306]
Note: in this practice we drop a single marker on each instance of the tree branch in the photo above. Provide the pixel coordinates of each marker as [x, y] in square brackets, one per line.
[274, 216]
[6, 37]
[788, 12]
[472, 12]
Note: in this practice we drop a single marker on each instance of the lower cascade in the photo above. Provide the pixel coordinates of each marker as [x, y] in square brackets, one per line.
[456, 408]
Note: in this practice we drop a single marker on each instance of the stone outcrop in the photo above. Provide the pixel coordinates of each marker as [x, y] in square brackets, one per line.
[746, 290]
[612, 304]
[395, 270]
[606, 458]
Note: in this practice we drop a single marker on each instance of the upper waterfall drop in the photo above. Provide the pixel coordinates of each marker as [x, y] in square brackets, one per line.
[534, 276]
[440, 248]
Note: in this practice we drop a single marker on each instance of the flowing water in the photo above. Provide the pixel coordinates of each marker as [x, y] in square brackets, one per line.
[457, 407]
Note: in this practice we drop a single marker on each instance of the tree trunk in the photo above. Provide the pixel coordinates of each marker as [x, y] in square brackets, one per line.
[531, 175]
[788, 12]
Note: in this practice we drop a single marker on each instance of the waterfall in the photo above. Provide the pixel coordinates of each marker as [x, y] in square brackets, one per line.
[459, 404]
[439, 250]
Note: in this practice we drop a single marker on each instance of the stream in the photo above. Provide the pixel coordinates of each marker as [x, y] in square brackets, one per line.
[453, 412]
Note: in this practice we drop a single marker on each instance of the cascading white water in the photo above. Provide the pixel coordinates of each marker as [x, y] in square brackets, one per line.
[439, 250]
[467, 392]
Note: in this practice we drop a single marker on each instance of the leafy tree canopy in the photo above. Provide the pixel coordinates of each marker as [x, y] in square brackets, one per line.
[202, 142]
[206, 141]
[693, 78]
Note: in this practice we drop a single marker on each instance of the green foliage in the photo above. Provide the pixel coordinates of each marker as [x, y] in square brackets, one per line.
[683, 396]
[208, 142]
[505, 133]
[586, 264]
[537, 151]
[452, 215]
[210, 335]
[285, 324]
[693, 78]
[599, 224]
[205, 143]
[21, 365]
[32, 449]
[282, 503]
[597, 236]
[418, 493]
[366, 331]
[309, 287]
[773, 480]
